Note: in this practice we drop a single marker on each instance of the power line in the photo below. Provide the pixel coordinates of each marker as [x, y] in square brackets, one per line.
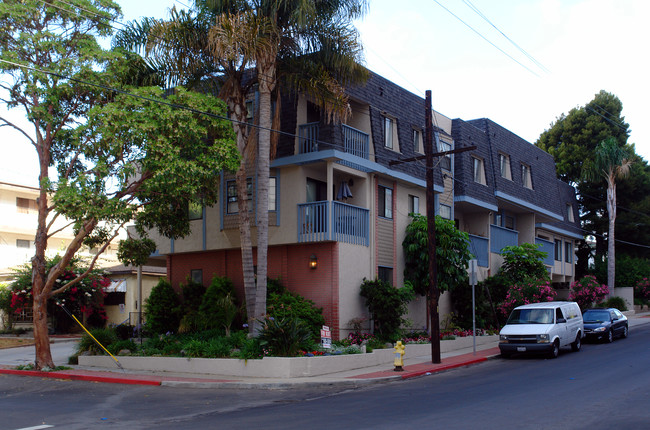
[523, 51]
[485, 38]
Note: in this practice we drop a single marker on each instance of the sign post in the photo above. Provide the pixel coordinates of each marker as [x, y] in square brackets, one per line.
[472, 280]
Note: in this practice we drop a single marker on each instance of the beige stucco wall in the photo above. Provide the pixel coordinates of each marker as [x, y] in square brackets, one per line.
[354, 266]
[131, 297]
[526, 228]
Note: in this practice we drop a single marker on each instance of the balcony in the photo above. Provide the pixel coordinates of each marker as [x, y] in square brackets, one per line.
[549, 248]
[479, 246]
[308, 137]
[341, 222]
[500, 237]
[355, 142]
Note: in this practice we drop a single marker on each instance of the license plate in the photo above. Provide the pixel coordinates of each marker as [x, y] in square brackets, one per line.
[521, 349]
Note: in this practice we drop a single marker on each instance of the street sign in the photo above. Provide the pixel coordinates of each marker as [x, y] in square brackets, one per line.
[325, 337]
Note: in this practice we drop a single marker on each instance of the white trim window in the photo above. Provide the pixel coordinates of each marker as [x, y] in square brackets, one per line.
[445, 160]
[414, 204]
[390, 133]
[417, 141]
[444, 211]
[526, 179]
[504, 166]
[385, 202]
[478, 170]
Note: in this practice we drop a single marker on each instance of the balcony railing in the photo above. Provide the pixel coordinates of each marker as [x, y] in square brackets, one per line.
[356, 142]
[549, 248]
[308, 137]
[501, 237]
[478, 246]
[346, 223]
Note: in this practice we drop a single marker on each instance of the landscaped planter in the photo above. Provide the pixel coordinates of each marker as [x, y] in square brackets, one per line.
[278, 367]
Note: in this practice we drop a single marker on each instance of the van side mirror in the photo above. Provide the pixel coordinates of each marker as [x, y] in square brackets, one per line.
[561, 320]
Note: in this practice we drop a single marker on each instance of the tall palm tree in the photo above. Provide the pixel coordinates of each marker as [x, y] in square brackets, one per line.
[611, 163]
[297, 31]
[310, 46]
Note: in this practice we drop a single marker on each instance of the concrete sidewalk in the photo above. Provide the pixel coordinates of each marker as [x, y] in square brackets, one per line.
[414, 367]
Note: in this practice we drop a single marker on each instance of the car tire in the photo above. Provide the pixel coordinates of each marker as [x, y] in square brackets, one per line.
[610, 336]
[556, 350]
[575, 346]
[625, 332]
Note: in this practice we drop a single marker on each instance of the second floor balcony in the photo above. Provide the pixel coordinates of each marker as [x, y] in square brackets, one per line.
[500, 237]
[355, 142]
[341, 222]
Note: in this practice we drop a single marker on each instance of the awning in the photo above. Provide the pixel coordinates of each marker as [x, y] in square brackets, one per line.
[117, 286]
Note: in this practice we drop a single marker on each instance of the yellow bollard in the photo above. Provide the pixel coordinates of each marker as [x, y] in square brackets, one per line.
[399, 356]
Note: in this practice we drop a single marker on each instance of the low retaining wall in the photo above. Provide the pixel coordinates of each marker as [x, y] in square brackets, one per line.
[277, 367]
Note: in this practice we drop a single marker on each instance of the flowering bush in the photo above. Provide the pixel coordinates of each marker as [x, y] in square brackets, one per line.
[358, 338]
[528, 292]
[587, 291]
[84, 298]
[642, 290]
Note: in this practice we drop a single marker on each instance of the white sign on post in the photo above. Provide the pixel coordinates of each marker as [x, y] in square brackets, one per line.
[325, 337]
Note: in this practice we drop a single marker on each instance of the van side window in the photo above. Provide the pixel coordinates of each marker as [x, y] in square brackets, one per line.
[558, 314]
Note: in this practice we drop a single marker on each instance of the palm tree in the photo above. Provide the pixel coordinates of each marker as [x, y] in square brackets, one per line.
[295, 32]
[311, 46]
[611, 163]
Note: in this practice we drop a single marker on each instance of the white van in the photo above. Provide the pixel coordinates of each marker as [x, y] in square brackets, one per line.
[542, 327]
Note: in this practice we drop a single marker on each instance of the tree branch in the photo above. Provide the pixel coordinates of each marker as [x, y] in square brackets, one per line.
[8, 123]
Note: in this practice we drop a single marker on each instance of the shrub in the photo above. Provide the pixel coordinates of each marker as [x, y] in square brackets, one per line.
[162, 308]
[287, 305]
[218, 307]
[522, 263]
[285, 337]
[105, 336]
[642, 290]
[194, 348]
[218, 348]
[387, 304]
[616, 302]
[124, 331]
[587, 291]
[524, 293]
[120, 345]
[192, 296]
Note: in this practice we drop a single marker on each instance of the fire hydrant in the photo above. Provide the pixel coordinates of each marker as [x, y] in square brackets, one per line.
[399, 356]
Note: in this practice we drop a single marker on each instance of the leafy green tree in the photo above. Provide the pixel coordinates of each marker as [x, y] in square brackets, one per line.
[6, 311]
[572, 140]
[387, 304]
[523, 263]
[117, 157]
[611, 163]
[452, 255]
[218, 308]
[163, 308]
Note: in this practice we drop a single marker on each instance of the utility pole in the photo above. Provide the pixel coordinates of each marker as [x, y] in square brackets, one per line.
[434, 293]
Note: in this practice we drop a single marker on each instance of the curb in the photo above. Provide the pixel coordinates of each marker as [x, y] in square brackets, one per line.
[443, 368]
[74, 377]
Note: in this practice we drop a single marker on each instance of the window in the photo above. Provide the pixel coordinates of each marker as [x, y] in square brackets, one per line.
[21, 243]
[568, 252]
[569, 213]
[503, 220]
[385, 202]
[445, 161]
[445, 211]
[389, 128]
[231, 195]
[26, 206]
[194, 211]
[197, 276]
[250, 110]
[525, 176]
[477, 170]
[385, 274]
[273, 193]
[504, 166]
[417, 141]
[414, 204]
[558, 250]
[316, 190]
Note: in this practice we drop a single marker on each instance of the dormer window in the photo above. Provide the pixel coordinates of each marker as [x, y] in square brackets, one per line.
[445, 160]
[417, 141]
[526, 179]
[504, 166]
[478, 171]
[390, 134]
[569, 213]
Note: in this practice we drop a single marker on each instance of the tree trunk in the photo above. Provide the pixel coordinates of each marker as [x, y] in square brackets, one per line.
[611, 257]
[266, 78]
[41, 337]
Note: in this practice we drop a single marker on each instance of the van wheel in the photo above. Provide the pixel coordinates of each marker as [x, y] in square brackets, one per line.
[556, 349]
[575, 346]
[610, 336]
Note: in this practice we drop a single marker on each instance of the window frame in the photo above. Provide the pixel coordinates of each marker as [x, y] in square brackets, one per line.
[413, 202]
[558, 249]
[568, 254]
[418, 142]
[445, 161]
[384, 202]
[480, 172]
[569, 212]
[389, 125]
[526, 176]
[440, 206]
[504, 166]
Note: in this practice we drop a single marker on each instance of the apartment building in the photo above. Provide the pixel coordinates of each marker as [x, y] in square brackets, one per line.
[506, 192]
[338, 207]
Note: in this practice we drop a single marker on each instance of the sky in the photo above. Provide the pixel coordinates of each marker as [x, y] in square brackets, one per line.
[573, 49]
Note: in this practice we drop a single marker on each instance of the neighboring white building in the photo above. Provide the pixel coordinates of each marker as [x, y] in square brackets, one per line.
[18, 220]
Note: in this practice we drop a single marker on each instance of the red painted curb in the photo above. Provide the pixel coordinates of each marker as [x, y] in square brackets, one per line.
[73, 377]
[446, 367]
